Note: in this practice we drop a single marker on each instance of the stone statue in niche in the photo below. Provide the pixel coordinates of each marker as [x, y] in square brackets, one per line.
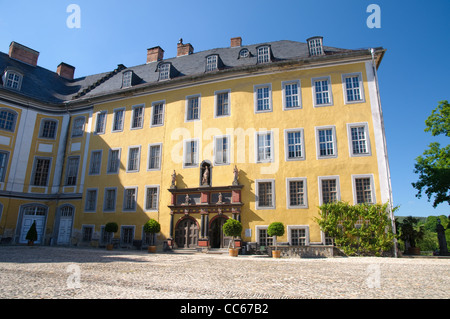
[174, 177]
[235, 173]
[187, 200]
[205, 177]
[220, 199]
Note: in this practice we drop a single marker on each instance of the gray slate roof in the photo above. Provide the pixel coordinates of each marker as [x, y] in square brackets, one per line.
[48, 87]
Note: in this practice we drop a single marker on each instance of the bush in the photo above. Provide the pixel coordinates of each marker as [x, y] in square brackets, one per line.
[233, 228]
[32, 234]
[275, 229]
[111, 227]
[152, 227]
[362, 229]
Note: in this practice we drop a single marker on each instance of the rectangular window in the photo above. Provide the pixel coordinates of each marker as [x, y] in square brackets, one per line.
[164, 71]
[322, 91]
[190, 153]
[138, 117]
[113, 161]
[41, 171]
[13, 80]
[91, 200]
[294, 144]
[291, 95]
[4, 156]
[263, 238]
[48, 129]
[151, 198]
[126, 235]
[193, 108]
[329, 187]
[358, 139]
[109, 204]
[133, 159]
[326, 142]
[298, 236]
[315, 46]
[154, 157]
[264, 144]
[263, 54]
[157, 114]
[263, 98]
[72, 170]
[296, 191]
[363, 188]
[211, 63]
[86, 232]
[118, 120]
[7, 120]
[78, 126]
[353, 88]
[265, 190]
[96, 163]
[222, 100]
[221, 150]
[129, 199]
[101, 122]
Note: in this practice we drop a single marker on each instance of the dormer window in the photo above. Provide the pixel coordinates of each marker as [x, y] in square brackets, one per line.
[315, 46]
[244, 53]
[264, 54]
[211, 63]
[164, 71]
[127, 79]
[12, 80]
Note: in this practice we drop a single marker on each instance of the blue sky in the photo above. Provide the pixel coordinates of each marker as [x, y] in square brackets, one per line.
[413, 75]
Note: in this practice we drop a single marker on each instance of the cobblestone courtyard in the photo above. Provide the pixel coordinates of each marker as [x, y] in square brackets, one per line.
[65, 273]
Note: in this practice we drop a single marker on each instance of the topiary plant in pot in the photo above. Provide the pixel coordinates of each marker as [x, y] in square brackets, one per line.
[152, 227]
[275, 229]
[233, 228]
[111, 228]
[32, 234]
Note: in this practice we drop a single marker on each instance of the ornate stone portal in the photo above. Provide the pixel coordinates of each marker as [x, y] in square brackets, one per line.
[198, 213]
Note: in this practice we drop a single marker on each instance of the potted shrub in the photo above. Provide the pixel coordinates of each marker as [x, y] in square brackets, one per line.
[233, 228]
[152, 227]
[411, 233]
[275, 229]
[32, 234]
[110, 228]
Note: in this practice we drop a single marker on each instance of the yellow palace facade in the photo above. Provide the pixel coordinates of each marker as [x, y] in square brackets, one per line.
[260, 133]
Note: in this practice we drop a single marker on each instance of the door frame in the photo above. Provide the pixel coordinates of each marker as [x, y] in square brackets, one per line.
[177, 232]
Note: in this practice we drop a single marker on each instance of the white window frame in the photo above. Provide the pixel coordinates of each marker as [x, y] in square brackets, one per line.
[68, 170]
[100, 130]
[255, 97]
[49, 172]
[116, 111]
[124, 208]
[154, 104]
[127, 79]
[197, 158]
[372, 187]
[290, 228]
[263, 54]
[315, 46]
[288, 192]
[338, 187]
[17, 81]
[115, 200]
[212, 62]
[108, 171]
[86, 208]
[95, 173]
[13, 121]
[273, 204]
[188, 98]
[149, 157]
[164, 71]
[78, 131]
[146, 198]
[216, 103]
[286, 144]
[284, 96]
[257, 232]
[330, 91]
[361, 88]
[272, 148]
[350, 140]
[133, 116]
[42, 127]
[221, 162]
[138, 163]
[333, 133]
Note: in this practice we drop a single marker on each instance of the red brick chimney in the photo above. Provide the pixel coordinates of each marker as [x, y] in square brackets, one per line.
[65, 70]
[236, 42]
[184, 49]
[155, 54]
[22, 53]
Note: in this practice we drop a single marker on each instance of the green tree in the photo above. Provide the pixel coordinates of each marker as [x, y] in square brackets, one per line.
[433, 166]
[233, 228]
[32, 234]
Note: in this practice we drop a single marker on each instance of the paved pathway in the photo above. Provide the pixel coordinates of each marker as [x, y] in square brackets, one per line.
[55, 272]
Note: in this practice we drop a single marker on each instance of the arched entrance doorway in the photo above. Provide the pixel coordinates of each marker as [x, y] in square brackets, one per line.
[216, 235]
[186, 233]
